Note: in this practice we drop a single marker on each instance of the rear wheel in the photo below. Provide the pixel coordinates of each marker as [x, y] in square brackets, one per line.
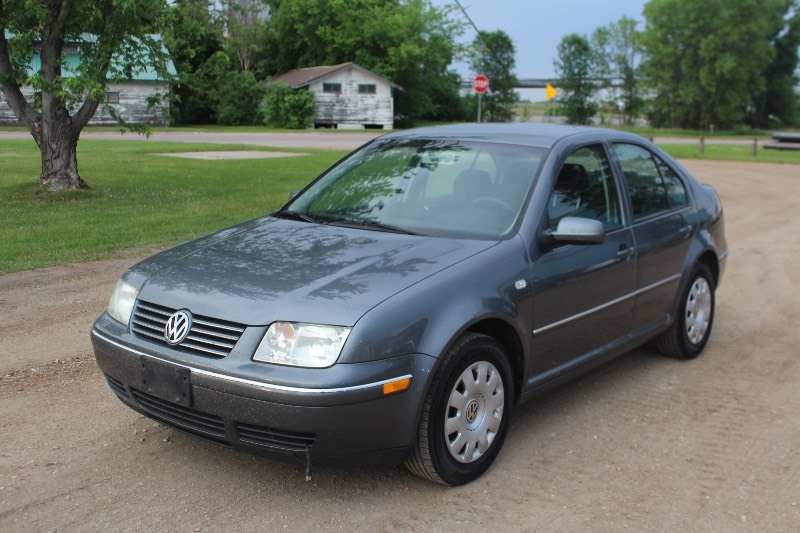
[688, 335]
[465, 415]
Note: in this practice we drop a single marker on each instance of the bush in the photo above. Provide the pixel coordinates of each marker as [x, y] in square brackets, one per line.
[288, 108]
[240, 99]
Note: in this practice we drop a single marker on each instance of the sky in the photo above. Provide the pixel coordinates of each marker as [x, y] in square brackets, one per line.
[537, 26]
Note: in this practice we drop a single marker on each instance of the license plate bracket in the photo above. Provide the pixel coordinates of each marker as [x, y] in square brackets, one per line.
[166, 381]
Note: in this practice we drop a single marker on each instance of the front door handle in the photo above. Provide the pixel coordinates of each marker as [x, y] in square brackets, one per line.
[625, 252]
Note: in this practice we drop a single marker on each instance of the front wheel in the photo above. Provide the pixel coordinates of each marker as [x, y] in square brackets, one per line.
[465, 415]
[688, 335]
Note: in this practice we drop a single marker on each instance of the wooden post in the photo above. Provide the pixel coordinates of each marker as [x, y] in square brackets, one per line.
[702, 144]
[754, 149]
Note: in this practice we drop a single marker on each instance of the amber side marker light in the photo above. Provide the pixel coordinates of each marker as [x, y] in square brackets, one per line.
[396, 386]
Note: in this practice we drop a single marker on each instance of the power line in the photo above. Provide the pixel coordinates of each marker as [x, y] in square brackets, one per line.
[485, 44]
[466, 15]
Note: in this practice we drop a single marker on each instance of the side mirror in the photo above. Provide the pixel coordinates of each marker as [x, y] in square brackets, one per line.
[577, 230]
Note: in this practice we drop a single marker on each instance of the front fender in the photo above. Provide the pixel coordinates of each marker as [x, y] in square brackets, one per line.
[427, 317]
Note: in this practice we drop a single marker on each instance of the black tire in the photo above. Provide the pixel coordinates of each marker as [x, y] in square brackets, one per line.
[689, 333]
[483, 359]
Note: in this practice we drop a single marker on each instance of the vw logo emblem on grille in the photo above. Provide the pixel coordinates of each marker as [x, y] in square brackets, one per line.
[177, 327]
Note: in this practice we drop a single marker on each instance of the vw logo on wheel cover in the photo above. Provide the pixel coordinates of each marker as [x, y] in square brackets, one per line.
[472, 411]
[177, 327]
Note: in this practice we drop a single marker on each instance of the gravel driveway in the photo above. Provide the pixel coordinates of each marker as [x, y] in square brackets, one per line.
[645, 443]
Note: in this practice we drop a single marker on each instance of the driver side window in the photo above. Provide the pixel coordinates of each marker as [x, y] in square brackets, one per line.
[585, 188]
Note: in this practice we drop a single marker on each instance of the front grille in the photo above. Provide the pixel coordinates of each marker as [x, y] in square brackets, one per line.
[183, 418]
[273, 438]
[208, 336]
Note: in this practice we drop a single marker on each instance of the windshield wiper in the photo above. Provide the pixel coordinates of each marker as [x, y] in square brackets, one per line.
[367, 224]
[295, 215]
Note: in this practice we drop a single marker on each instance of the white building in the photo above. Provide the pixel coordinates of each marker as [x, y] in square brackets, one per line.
[347, 96]
[130, 99]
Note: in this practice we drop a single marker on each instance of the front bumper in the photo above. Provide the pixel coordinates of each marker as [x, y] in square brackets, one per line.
[344, 418]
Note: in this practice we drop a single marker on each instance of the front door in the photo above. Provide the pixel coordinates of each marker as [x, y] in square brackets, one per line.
[583, 293]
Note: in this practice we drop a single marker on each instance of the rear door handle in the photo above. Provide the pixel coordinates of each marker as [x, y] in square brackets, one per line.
[686, 230]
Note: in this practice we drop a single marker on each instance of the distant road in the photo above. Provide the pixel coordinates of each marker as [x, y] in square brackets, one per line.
[317, 139]
[321, 140]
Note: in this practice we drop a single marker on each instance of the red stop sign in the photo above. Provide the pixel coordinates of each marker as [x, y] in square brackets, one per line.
[480, 83]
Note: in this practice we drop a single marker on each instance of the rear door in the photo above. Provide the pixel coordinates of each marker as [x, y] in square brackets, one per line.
[660, 206]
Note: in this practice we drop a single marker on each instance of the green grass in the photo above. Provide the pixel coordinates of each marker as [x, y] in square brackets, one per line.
[139, 201]
[136, 199]
[731, 152]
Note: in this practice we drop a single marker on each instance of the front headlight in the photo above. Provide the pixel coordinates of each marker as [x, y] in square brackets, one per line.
[120, 306]
[298, 344]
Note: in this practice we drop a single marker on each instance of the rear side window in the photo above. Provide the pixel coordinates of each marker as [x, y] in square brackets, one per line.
[676, 191]
[654, 187]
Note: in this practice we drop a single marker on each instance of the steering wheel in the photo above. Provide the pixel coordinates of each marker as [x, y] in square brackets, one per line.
[490, 203]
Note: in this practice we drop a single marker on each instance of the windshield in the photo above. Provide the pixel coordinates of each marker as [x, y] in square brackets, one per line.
[431, 187]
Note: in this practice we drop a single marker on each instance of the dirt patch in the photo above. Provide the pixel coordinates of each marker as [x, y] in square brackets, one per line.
[644, 443]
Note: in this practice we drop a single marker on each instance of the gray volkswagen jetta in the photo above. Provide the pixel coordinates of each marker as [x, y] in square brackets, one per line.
[401, 305]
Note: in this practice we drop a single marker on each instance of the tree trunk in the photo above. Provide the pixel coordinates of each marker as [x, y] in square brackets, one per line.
[58, 146]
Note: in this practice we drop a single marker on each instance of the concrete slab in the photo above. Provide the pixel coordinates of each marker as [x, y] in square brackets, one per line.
[231, 154]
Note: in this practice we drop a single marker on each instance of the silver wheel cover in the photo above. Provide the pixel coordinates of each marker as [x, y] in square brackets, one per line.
[698, 310]
[474, 412]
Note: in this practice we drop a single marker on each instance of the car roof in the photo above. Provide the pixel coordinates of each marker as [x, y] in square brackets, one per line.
[538, 135]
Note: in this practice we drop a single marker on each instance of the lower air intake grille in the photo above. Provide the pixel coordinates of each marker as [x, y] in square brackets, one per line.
[208, 336]
[118, 388]
[184, 418]
[273, 438]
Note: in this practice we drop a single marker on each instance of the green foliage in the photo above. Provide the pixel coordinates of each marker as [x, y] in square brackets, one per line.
[710, 62]
[192, 35]
[577, 64]
[138, 199]
[239, 100]
[246, 26]
[493, 56]
[780, 104]
[617, 46]
[118, 28]
[114, 42]
[287, 108]
[409, 42]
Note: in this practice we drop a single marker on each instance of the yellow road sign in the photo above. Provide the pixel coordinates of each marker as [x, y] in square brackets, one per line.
[551, 91]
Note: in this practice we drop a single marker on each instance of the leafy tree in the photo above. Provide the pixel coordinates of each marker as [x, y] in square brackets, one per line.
[214, 51]
[618, 44]
[246, 26]
[407, 41]
[239, 100]
[287, 108]
[577, 67]
[708, 60]
[233, 97]
[493, 56]
[780, 104]
[192, 34]
[64, 100]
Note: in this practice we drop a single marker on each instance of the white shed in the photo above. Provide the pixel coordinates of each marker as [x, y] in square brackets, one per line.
[128, 98]
[347, 96]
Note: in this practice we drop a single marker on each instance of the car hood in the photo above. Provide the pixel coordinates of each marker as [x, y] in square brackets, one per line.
[271, 269]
